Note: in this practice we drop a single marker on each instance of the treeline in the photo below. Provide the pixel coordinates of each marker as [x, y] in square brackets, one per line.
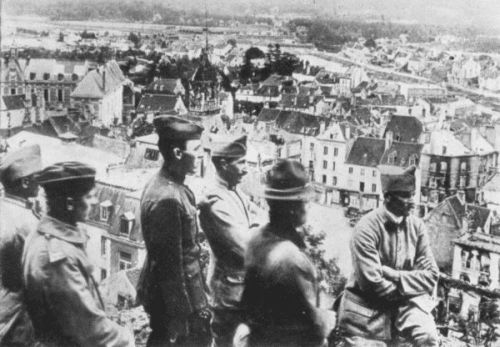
[338, 32]
[123, 10]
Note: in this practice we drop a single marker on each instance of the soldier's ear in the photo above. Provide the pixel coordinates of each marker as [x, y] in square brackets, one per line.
[25, 182]
[177, 153]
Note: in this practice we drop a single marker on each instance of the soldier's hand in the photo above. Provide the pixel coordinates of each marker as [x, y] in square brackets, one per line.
[206, 202]
[390, 273]
[423, 264]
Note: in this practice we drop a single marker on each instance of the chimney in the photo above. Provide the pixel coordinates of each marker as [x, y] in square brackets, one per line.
[104, 79]
[388, 140]
[348, 132]
[322, 125]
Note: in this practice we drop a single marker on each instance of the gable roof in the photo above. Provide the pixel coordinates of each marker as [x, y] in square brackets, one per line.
[408, 128]
[298, 123]
[162, 86]
[268, 114]
[157, 103]
[13, 102]
[96, 84]
[366, 151]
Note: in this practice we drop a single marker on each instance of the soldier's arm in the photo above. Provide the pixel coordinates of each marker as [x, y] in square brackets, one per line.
[233, 233]
[423, 278]
[166, 237]
[367, 265]
[77, 311]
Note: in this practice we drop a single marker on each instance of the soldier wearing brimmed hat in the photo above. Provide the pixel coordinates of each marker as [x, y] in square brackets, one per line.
[389, 293]
[279, 298]
[62, 297]
[226, 216]
[172, 288]
[18, 217]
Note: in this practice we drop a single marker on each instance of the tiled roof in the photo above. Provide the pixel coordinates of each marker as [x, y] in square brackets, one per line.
[157, 103]
[298, 123]
[268, 114]
[366, 151]
[408, 128]
[97, 84]
[402, 153]
[13, 102]
[162, 86]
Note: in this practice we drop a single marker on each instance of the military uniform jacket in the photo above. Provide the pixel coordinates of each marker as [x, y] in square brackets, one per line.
[171, 276]
[279, 298]
[226, 218]
[61, 296]
[17, 220]
[378, 241]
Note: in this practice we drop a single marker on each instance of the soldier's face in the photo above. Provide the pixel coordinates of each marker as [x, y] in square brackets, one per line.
[401, 203]
[235, 171]
[83, 205]
[191, 156]
[299, 213]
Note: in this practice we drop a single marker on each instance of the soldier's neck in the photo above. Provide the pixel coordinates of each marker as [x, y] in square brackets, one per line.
[63, 216]
[175, 172]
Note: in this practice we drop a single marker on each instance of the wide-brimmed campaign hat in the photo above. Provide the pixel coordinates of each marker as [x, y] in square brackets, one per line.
[288, 181]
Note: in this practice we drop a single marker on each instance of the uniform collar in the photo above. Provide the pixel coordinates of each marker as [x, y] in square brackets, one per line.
[56, 228]
[392, 217]
[222, 182]
[19, 201]
[171, 176]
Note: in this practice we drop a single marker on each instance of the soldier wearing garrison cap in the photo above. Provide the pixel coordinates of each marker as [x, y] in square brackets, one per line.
[279, 298]
[227, 217]
[172, 288]
[389, 293]
[62, 297]
[18, 217]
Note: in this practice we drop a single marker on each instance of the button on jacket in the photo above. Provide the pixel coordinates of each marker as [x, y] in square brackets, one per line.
[379, 241]
[61, 295]
[171, 283]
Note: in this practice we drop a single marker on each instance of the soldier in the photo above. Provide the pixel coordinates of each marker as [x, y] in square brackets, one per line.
[389, 293]
[226, 217]
[18, 218]
[62, 297]
[279, 298]
[172, 288]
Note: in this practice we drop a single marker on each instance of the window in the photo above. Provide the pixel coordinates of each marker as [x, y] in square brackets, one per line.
[103, 245]
[433, 167]
[32, 76]
[334, 181]
[463, 166]
[60, 77]
[60, 95]
[335, 152]
[324, 179]
[325, 150]
[325, 164]
[127, 221]
[74, 77]
[105, 208]
[392, 158]
[13, 91]
[151, 154]
[311, 146]
[46, 76]
[46, 95]
[125, 261]
[413, 160]
[374, 188]
[333, 165]
[104, 274]
[432, 182]
[443, 166]
[374, 173]
[362, 172]
[351, 170]
[361, 186]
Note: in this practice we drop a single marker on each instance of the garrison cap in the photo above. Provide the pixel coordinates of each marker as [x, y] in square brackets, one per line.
[65, 172]
[397, 179]
[20, 163]
[229, 148]
[175, 128]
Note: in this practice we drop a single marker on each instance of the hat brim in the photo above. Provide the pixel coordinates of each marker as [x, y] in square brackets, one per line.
[305, 193]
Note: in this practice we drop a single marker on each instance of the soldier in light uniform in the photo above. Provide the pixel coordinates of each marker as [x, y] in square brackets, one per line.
[226, 217]
[172, 288]
[62, 297]
[18, 218]
[389, 293]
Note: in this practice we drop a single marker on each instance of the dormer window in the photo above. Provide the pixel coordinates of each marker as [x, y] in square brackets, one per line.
[46, 76]
[413, 160]
[32, 76]
[392, 158]
[74, 77]
[60, 77]
[105, 210]
[127, 222]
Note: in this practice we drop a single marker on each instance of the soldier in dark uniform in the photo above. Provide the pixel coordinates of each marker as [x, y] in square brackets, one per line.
[172, 288]
[227, 216]
[389, 293]
[279, 298]
[62, 297]
[18, 218]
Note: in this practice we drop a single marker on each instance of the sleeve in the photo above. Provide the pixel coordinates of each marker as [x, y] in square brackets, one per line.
[231, 233]
[423, 279]
[166, 251]
[367, 265]
[77, 311]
